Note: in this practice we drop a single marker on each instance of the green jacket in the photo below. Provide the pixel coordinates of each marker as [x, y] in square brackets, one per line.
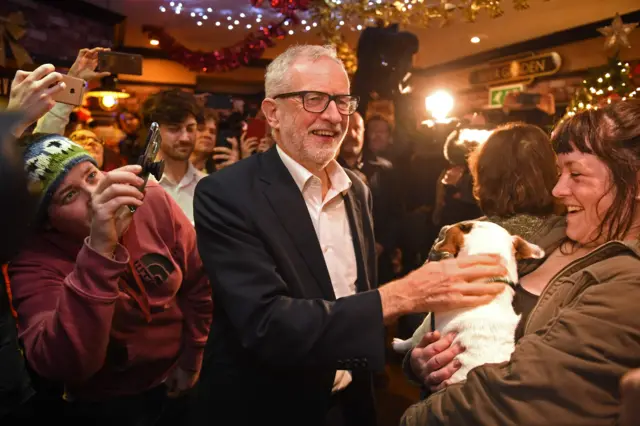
[579, 340]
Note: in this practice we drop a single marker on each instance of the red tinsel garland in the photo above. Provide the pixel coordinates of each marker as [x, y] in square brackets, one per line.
[285, 6]
[234, 56]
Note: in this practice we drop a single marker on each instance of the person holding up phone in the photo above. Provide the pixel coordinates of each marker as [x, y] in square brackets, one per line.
[31, 97]
[113, 306]
[57, 116]
[32, 93]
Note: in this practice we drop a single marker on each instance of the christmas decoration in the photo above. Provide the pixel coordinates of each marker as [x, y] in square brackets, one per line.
[617, 34]
[12, 29]
[611, 82]
[330, 18]
[408, 12]
[225, 59]
[285, 7]
[335, 15]
[228, 58]
[607, 84]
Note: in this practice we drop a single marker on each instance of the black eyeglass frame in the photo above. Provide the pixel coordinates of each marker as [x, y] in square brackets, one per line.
[333, 98]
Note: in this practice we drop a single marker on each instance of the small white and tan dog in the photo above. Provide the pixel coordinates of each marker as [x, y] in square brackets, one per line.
[486, 332]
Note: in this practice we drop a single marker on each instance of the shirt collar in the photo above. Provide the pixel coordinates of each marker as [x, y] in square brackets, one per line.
[340, 181]
[191, 175]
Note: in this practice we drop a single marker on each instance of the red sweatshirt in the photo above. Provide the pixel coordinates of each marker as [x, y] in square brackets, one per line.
[80, 324]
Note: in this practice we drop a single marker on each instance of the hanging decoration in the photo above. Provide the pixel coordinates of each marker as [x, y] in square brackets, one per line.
[332, 18]
[231, 57]
[420, 13]
[285, 7]
[228, 58]
[617, 34]
[12, 29]
[335, 15]
[612, 82]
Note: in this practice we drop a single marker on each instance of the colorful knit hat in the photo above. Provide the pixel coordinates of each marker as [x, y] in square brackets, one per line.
[47, 160]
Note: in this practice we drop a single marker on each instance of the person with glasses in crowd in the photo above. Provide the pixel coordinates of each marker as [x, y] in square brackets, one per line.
[91, 143]
[286, 237]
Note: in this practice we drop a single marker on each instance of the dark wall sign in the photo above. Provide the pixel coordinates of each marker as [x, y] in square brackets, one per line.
[34, 32]
[527, 68]
[55, 31]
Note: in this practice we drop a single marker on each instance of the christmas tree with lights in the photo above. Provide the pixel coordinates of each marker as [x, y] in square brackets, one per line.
[611, 82]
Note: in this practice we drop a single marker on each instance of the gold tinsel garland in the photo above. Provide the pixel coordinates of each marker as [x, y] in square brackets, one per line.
[332, 15]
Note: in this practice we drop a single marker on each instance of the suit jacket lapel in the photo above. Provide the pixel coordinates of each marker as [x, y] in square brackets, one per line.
[354, 213]
[287, 202]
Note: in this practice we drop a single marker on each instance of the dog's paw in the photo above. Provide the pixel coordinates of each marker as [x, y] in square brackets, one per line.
[400, 345]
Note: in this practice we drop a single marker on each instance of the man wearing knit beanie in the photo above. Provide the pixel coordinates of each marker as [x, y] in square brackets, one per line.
[112, 305]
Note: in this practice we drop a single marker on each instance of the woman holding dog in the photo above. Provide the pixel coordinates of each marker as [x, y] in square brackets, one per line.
[583, 334]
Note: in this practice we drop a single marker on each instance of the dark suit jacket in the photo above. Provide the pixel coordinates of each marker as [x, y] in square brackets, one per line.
[278, 334]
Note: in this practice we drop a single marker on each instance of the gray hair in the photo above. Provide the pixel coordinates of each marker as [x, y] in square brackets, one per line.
[276, 79]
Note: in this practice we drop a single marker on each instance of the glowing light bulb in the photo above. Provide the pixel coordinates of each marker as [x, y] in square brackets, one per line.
[439, 104]
[108, 102]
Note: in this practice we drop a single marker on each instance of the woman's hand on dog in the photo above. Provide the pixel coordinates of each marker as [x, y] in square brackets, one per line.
[433, 360]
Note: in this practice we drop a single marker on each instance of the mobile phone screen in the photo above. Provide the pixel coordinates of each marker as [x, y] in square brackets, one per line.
[120, 63]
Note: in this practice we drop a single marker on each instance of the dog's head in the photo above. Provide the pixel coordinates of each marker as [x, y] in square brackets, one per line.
[481, 237]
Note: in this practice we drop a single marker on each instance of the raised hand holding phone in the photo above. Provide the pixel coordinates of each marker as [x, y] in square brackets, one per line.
[33, 93]
[147, 161]
[86, 63]
[117, 190]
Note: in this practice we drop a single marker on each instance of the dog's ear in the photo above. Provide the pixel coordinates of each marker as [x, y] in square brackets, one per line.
[452, 242]
[525, 250]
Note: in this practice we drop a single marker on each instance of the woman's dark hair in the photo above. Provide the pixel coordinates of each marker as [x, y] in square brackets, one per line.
[612, 134]
[514, 172]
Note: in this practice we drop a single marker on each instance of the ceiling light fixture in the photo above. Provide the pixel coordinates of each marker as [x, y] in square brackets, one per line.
[475, 39]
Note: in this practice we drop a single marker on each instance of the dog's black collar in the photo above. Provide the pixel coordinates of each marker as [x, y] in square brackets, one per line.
[503, 280]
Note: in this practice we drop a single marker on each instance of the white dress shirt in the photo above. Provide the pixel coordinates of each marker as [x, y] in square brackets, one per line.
[183, 191]
[331, 223]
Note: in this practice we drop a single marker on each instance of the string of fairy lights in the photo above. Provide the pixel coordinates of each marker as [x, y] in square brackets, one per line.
[242, 20]
[604, 86]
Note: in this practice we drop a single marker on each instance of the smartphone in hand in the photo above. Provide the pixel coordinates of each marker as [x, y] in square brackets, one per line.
[73, 92]
[148, 158]
[120, 62]
[256, 128]
[528, 99]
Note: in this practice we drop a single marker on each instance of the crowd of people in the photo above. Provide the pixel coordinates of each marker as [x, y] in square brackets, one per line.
[255, 279]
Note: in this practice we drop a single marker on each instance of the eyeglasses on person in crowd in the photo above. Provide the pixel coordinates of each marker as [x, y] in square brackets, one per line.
[317, 102]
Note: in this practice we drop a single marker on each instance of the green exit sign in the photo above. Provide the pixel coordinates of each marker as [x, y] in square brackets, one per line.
[497, 94]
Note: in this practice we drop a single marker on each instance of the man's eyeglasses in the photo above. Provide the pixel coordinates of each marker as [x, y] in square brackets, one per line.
[317, 102]
[86, 140]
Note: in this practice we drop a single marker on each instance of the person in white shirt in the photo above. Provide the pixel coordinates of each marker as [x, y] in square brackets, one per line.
[178, 114]
[286, 237]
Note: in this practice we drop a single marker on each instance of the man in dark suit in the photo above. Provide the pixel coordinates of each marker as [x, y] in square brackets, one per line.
[287, 240]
